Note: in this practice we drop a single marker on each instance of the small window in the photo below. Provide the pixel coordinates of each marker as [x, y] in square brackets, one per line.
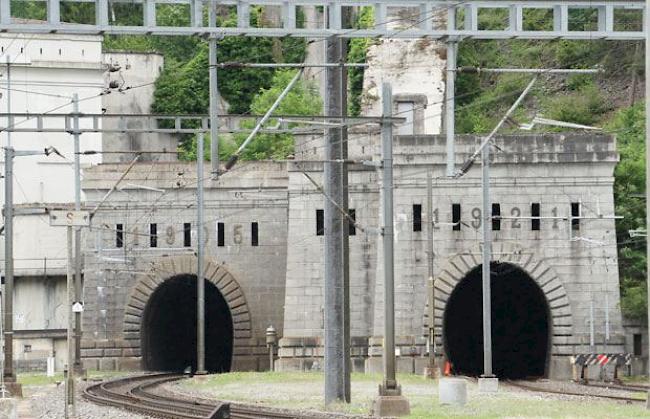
[417, 217]
[455, 216]
[575, 215]
[221, 234]
[27, 348]
[496, 217]
[119, 235]
[153, 235]
[352, 229]
[535, 223]
[254, 237]
[638, 344]
[187, 234]
[320, 222]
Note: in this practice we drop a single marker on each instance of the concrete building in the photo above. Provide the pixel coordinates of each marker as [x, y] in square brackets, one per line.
[43, 73]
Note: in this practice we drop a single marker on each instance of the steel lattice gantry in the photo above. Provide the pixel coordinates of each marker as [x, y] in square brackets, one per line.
[462, 19]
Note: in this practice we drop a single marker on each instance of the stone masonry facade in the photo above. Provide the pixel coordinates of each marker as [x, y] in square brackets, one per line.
[280, 282]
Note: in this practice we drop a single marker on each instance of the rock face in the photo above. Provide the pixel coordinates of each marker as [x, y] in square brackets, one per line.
[415, 69]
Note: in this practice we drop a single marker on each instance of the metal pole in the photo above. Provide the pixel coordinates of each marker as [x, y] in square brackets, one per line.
[450, 103]
[9, 268]
[8, 99]
[345, 227]
[486, 269]
[69, 380]
[606, 321]
[77, 235]
[478, 70]
[432, 289]
[289, 65]
[470, 161]
[200, 282]
[334, 281]
[214, 92]
[592, 342]
[390, 382]
[647, 172]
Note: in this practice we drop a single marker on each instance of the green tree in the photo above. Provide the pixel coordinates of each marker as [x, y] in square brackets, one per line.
[302, 99]
[629, 187]
[357, 51]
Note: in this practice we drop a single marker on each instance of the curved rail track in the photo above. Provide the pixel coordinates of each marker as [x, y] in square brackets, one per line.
[526, 386]
[134, 394]
[620, 386]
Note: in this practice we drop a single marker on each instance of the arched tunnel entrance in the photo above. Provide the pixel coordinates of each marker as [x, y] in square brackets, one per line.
[169, 327]
[520, 324]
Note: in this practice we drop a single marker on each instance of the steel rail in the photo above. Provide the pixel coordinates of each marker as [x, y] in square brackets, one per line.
[615, 386]
[120, 393]
[136, 394]
[520, 385]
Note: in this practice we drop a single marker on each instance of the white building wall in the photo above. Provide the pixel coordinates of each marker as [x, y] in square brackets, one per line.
[44, 71]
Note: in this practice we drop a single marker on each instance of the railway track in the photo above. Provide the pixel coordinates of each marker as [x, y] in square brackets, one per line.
[626, 387]
[135, 395]
[527, 386]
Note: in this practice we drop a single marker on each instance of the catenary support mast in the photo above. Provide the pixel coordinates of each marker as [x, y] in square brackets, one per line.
[335, 370]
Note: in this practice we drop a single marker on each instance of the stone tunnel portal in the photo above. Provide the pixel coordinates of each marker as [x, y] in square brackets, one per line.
[169, 327]
[520, 324]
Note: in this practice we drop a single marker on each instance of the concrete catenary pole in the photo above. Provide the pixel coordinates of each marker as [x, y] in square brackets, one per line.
[450, 102]
[334, 279]
[214, 92]
[390, 382]
[647, 165]
[345, 227]
[487, 259]
[200, 281]
[69, 410]
[390, 401]
[9, 269]
[78, 289]
[8, 99]
[432, 289]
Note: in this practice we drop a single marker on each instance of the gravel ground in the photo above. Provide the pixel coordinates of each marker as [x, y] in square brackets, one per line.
[47, 403]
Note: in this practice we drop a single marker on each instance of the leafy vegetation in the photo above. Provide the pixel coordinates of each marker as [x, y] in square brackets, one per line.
[629, 187]
[357, 51]
[302, 99]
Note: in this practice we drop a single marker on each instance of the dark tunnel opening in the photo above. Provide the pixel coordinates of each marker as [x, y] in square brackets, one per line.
[520, 324]
[169, 327]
